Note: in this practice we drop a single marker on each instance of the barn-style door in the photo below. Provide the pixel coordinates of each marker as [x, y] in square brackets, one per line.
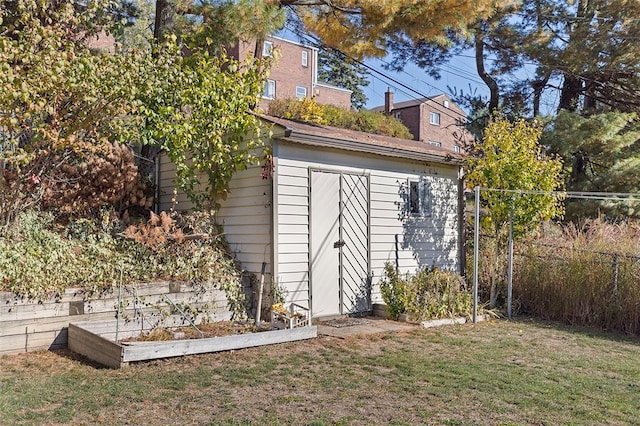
[340, 282]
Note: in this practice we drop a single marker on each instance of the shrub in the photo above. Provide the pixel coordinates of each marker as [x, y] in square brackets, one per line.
[435, 293]
[38, 259]
[393, 288]
[309, 110]
[431, 293]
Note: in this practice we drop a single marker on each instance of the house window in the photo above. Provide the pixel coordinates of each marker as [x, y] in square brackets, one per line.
[420, 197]
[269, 89]
[456, 148]
[459, 122]
[267, 48]
[398, 115]
[301, 92]
[445, 103]
[305, 58]
[435, 143]
[434, 118]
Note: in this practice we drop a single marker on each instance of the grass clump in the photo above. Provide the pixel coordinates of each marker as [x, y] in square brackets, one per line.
[40, 258]
[429, 294]
[584, 274]
[309, 110]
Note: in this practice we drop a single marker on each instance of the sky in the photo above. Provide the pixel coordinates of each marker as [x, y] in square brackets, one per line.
[459, 74]
[413, 82]
[416, 83]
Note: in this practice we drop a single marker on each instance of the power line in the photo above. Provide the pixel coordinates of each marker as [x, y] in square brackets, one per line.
[599, 196]
[423, 97]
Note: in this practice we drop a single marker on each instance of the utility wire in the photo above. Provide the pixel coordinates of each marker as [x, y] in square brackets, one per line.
[602, 196]
[424, 98]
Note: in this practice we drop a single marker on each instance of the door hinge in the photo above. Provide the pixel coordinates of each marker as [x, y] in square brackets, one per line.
[338, 244]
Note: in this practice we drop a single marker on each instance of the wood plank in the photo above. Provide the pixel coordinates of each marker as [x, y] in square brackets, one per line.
[140, 351]
[94, 347]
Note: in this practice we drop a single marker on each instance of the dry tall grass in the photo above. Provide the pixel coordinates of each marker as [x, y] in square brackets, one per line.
[587, 274]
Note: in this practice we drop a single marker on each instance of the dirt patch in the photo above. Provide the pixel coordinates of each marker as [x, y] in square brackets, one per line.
[204, 330]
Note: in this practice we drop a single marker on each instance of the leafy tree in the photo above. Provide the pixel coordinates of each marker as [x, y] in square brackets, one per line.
[582, 50]
[336, 68]
[509, 159]
[66, 111]
[198, 109]
[61, 106]
[601, 153]
[214, 24]
[136, 32]
[365, 27]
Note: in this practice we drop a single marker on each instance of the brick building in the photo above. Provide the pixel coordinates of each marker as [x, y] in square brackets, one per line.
[435, 120]
[294, 74]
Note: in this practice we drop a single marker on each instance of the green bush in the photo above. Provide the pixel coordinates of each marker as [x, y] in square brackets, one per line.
[364, 121]
[393, 288]
[430, 294]
[40, 258]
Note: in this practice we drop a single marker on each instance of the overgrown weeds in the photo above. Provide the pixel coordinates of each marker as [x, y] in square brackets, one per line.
[429, 294]
[40, 258]
[587, 274]
[309, 110]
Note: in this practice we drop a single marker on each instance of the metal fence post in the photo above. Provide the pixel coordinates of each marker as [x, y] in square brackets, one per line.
[476, 243]
[510, 278]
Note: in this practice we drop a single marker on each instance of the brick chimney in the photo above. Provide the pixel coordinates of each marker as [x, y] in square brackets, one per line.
[388, 101]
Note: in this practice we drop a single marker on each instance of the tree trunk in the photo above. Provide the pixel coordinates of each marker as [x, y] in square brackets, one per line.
[570, 94]
[494, 90]
[538, 86]
[573, 85]
[165, 17]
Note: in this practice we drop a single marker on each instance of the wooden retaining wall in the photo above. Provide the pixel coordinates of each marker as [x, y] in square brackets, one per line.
[27, 325]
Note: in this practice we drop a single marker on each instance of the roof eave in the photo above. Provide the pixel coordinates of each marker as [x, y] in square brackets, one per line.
[292, 135]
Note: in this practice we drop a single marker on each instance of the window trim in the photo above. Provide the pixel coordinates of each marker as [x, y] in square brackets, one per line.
[434, 118]
[420, 197]
[269, 94]
[267, 49]
[298, 94]
[305, 59]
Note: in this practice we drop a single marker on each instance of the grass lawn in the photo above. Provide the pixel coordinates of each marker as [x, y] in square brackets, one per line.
[498, 372]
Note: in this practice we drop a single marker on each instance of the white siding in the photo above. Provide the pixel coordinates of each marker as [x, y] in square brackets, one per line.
[245, 215]
[292, 209]
[246, 219]
[395, 236]
[169, 197]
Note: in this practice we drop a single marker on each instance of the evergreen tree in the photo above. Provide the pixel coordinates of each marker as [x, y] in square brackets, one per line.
[601, 153]
[335, 68]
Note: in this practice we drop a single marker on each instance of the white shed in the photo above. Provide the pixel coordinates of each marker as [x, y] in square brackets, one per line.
[338, 205]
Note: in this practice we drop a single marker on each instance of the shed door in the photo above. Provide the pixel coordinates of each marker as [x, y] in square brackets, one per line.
[340, 282]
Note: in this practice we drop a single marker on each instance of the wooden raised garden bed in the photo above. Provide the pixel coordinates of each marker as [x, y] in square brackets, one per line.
[97, 341]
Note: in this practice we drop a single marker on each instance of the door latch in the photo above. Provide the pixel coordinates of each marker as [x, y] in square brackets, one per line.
[338, 244]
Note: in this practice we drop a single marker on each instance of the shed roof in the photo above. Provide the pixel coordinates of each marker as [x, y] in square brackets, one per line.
[352, 140]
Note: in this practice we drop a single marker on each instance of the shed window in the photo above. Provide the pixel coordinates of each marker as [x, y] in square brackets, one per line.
[434, 118]
[420, 199]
